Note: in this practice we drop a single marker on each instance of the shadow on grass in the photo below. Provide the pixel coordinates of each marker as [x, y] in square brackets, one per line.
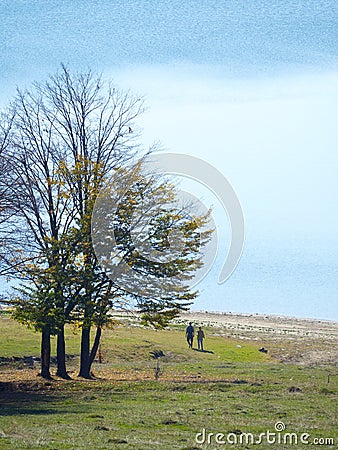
[203, 351]
[17, 399]
[25, 403]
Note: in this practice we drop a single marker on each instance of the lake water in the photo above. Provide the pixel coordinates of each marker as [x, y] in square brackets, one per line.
[243, 38]
[194, 61]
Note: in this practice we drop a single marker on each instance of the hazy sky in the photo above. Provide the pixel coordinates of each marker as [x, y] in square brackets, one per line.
[251, 87]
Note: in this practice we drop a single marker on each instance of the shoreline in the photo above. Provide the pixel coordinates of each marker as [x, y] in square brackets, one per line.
[260, 316]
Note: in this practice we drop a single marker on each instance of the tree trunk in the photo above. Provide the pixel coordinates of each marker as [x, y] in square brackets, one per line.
[95, 345]
[85, 357]
[61, 355]
[45, 354]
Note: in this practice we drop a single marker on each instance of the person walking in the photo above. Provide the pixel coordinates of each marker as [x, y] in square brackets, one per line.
[200, 337]
[189, 332]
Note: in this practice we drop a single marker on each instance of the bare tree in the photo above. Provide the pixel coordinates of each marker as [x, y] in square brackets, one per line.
[41, 205]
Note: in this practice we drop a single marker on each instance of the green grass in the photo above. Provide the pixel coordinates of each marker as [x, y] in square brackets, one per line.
[234, 388]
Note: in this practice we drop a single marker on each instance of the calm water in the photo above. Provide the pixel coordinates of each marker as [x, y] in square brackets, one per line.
[294, 280]
[242, 37]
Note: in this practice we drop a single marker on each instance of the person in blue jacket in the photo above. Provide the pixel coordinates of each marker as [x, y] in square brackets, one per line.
[190, 332]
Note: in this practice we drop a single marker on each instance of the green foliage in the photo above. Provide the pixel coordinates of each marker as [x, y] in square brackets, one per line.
[159, 319]
[146, 207]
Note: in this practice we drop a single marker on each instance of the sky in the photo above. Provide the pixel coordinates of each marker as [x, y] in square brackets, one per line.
[250, 87]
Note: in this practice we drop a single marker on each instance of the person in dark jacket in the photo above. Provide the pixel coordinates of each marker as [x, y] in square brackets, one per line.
[190, 332]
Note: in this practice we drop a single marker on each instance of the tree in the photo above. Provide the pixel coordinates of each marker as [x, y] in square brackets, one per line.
[66, 135]
[36, 306]
[93, 121]
[149, 243]
[44, 215]
[68, 138]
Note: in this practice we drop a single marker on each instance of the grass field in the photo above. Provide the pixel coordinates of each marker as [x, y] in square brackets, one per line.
[231, 388]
